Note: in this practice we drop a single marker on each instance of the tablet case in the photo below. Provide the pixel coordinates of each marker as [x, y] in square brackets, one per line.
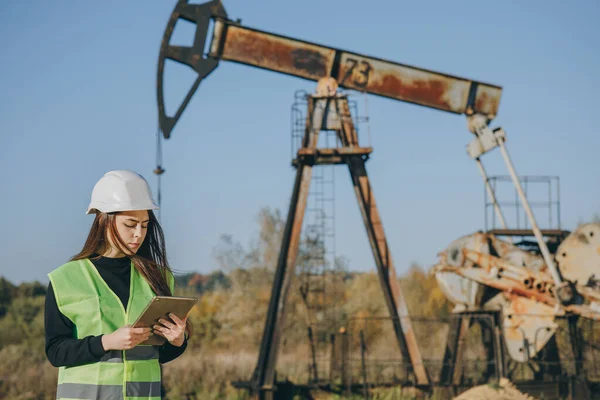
[160, 307]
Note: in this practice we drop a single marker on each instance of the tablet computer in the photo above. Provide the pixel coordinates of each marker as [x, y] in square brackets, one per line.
[160, 307]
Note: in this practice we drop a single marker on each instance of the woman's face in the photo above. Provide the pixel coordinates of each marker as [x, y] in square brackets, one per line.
[132, 227]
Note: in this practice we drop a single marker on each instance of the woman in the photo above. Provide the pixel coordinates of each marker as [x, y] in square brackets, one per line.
[93, 300]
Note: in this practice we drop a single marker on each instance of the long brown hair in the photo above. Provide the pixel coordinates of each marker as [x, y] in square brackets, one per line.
[150, 260]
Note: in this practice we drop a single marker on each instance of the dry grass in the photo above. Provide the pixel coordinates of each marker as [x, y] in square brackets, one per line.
[228, 328]
[25, 374]
[206, 375]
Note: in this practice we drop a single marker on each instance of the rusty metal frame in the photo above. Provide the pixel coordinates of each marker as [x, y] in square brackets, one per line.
[452, 367]
[233, 42]
[263, 381]
[452, 364]
[499, 274]
[388, 280]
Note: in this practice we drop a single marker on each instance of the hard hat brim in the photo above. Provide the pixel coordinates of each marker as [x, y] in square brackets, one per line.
[108, 208]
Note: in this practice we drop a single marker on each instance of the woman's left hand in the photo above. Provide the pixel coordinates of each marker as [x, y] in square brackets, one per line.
[173, 331]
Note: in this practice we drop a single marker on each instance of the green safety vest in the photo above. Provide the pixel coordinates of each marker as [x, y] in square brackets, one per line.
[85, 298]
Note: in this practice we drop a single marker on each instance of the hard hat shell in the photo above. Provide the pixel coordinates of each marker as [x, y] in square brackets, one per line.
[121, 190]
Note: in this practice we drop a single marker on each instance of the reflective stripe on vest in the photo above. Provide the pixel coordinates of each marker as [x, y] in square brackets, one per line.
[107, 392]
[83, 297]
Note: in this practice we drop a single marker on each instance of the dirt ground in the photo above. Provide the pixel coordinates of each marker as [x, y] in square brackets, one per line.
[505, 391]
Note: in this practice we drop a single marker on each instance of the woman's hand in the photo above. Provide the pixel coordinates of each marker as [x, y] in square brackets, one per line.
[125, 338]
[173, 331]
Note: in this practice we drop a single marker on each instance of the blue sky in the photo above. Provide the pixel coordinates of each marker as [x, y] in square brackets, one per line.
[77, 99]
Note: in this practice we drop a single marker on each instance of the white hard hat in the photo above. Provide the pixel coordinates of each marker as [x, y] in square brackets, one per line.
[121, 190]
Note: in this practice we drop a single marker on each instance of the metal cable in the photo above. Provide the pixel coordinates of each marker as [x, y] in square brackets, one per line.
[159, 170]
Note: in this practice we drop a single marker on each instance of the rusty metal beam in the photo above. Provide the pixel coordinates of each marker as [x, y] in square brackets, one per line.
[348, 128]
[407, 340]
[275, 53]
[355, 71]
[405, 336]
[233, 42]
[452, 363]
[263, 380]
[264, 374]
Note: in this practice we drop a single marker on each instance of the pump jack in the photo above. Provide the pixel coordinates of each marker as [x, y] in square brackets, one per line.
[332, 68]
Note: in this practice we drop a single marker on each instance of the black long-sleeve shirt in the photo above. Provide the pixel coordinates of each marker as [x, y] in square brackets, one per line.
[64, 350]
